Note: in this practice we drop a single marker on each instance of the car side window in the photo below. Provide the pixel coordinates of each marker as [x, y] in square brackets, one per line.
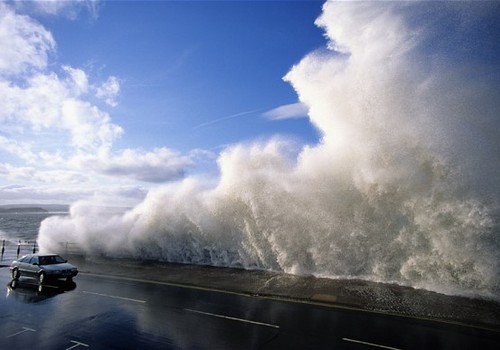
[26, 259]
[34, 260]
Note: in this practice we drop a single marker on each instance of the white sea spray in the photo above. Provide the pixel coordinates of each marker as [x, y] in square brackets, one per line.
[402, 187]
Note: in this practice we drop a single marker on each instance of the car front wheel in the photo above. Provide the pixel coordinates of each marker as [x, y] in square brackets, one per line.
[15, 274]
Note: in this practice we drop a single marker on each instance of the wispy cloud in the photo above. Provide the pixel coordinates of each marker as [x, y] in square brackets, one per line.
[67, 8]
[109, 91]
[229, 117]
[289, 111]
[125, 195]
[51, 176]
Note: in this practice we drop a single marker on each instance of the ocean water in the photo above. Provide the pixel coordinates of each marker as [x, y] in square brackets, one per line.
[22, 226]
[19, 231]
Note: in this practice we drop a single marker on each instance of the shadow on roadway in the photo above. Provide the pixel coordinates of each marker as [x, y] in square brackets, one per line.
[29, 291]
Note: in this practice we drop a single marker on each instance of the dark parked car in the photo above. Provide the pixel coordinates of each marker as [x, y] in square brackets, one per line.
[42, 267]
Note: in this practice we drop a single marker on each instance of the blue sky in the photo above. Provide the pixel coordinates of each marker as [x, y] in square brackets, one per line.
[172, 82]
[184, 65]
[106, 100]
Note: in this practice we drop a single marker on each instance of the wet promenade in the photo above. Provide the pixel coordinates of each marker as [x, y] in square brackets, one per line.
[131, 304]
[357, 294]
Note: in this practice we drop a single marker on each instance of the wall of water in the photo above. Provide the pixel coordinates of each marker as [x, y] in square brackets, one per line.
[402, 187]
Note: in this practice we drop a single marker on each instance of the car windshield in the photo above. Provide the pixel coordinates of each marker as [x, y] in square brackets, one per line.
[51, 259]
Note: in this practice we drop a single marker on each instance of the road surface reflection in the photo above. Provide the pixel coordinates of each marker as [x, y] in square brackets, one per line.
[29, 291]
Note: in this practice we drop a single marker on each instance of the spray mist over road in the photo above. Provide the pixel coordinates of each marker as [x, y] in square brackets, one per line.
[402, 186]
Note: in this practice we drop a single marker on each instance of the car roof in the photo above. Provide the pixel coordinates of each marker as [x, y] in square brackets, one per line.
[37, 254]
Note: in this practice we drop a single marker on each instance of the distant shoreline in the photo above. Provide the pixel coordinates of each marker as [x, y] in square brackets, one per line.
[34, 209]
[23, 210]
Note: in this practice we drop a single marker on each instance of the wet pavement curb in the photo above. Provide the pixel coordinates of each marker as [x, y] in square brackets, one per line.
[352, 294]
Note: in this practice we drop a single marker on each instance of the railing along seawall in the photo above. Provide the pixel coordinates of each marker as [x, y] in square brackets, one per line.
[13, 249]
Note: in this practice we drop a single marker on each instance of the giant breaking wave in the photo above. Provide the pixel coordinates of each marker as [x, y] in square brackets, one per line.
[402, 186]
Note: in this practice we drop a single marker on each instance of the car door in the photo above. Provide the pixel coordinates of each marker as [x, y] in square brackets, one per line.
[32, 268]
[24, 265]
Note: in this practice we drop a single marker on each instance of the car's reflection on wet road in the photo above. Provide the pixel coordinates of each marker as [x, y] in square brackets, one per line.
[101, 312]
[30, 291]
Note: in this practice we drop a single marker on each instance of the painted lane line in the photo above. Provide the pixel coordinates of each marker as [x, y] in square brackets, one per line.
[25, 329]
[370, 344]
[115, 297]
[77, 343]
[233, 318]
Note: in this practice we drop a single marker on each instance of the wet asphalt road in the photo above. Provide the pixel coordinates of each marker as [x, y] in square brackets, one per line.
[103, 312]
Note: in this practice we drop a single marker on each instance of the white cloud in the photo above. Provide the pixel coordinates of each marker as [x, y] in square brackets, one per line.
[109, 91]
[290, 111]
[125, 195]
[66, 8]
[50, 102]
[17, 148]
[25, 44]
[158, 165]
[52, 120]
[79, 80]
[35, 100]
[22, 173]
[59, 177]
[23, 194]
[90, 127]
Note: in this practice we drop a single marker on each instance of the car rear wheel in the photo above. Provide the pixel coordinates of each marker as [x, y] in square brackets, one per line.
[15, 274]
[41, 277]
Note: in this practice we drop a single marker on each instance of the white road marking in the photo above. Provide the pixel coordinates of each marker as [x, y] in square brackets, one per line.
[77, 343]
[115, 297]
[232, 318]
[370, 344]
[25, 329]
